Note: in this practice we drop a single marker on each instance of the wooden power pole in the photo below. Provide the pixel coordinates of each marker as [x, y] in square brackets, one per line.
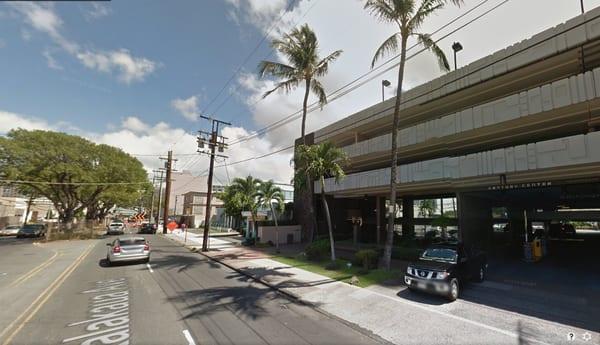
[214, 142]
[168, 168]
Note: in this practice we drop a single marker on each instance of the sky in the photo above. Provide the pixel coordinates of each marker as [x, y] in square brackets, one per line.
[137, 74]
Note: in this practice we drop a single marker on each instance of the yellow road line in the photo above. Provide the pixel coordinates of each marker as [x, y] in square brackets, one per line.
[44, 296]
[34, 270]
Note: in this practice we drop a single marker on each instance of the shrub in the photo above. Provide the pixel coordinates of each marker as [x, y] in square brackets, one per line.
[368, 258]
[318, 250]
[332, 266]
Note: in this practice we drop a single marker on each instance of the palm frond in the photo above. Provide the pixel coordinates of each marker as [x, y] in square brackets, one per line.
[390, 45]
[382, 10]
[318, 90]
[276, 69]
[430, 44]
[425, 10]
[323, 66]
[286, 86]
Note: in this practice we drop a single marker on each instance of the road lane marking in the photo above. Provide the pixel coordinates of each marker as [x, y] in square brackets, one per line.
[109, 314]
[34, 270]
[43, 297]
[188, 337]
[150, 268]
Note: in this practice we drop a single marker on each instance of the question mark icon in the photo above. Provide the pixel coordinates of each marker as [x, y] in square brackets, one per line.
[571, 336]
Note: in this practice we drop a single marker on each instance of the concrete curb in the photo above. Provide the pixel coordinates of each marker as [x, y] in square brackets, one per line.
[290, 295]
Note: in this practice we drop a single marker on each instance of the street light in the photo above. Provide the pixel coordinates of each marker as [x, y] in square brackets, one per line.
[456, 47]
[384, 84]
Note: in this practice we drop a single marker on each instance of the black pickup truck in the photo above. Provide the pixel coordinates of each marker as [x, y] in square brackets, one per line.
[444, 268]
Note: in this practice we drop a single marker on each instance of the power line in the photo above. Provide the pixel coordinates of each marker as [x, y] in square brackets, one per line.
[296, 115]
[266, 57]
[262, 40]
[411, 56]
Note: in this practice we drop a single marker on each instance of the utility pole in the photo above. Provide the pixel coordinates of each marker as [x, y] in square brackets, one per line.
[214, 141]
[152, 198]
[168, 168]
[160, 182]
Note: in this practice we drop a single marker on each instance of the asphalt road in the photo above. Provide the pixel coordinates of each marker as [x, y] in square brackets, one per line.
[180, 298]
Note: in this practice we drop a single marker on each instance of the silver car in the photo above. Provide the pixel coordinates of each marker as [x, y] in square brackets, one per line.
[115, 228]
[128, 249]
[10, 230]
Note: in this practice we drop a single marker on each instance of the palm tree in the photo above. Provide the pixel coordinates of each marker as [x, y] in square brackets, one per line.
[316, 162]
[246, 191]
[267, 193]
[301, 48]
[408, 17]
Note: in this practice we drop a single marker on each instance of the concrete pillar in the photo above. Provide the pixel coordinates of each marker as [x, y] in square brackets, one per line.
[378, 218]
[408, 217]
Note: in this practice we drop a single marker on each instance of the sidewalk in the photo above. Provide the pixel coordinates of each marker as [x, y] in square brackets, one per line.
[387, 312]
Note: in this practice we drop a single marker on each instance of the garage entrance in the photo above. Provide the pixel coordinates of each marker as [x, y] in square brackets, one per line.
[564, 284]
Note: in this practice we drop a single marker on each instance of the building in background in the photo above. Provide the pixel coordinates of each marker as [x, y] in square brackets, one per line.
[194, 210]
[13, 208]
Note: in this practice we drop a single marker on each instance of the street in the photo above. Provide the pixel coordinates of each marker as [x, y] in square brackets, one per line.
[180, 298]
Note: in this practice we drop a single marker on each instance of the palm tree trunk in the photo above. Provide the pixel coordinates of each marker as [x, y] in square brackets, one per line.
[304, 109]
[328, 217]
[389, 240]
[310, 192]
[276, 227]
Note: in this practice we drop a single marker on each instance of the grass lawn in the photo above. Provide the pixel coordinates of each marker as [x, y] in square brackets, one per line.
[343, 273]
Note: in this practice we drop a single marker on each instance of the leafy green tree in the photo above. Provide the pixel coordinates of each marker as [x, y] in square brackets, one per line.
[246, 191]
[72, 172]
[409, 17]
[301, 48]
[427, 208]
[316, 162]
[268, 193]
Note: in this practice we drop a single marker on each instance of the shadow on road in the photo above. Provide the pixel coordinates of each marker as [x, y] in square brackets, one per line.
[421, 297]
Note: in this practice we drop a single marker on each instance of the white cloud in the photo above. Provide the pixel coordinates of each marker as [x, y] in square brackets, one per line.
[257, 12]
[128, 68]
[51, 61]
[187, 107]
[135, 124]
[43, 18]
[97, 10]
[10, 121]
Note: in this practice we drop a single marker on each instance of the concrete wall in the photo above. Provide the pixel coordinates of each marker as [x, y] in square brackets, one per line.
[268, 233]
[552, 41]
[573, 150]
[558, 94]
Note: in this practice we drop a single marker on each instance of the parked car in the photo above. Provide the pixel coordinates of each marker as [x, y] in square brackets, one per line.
[115, 228]
[32, 230]
[147, 228]
[445, 268]
[128, 249]
[10, 230]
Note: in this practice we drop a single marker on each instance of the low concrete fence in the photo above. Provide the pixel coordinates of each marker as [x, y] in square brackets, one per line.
[288, 234]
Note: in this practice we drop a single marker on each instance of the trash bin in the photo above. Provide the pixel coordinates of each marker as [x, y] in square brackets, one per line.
[527, 251]
[537, 249]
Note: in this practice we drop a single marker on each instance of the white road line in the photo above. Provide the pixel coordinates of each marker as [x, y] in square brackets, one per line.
[188, 337]
[150, 268]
